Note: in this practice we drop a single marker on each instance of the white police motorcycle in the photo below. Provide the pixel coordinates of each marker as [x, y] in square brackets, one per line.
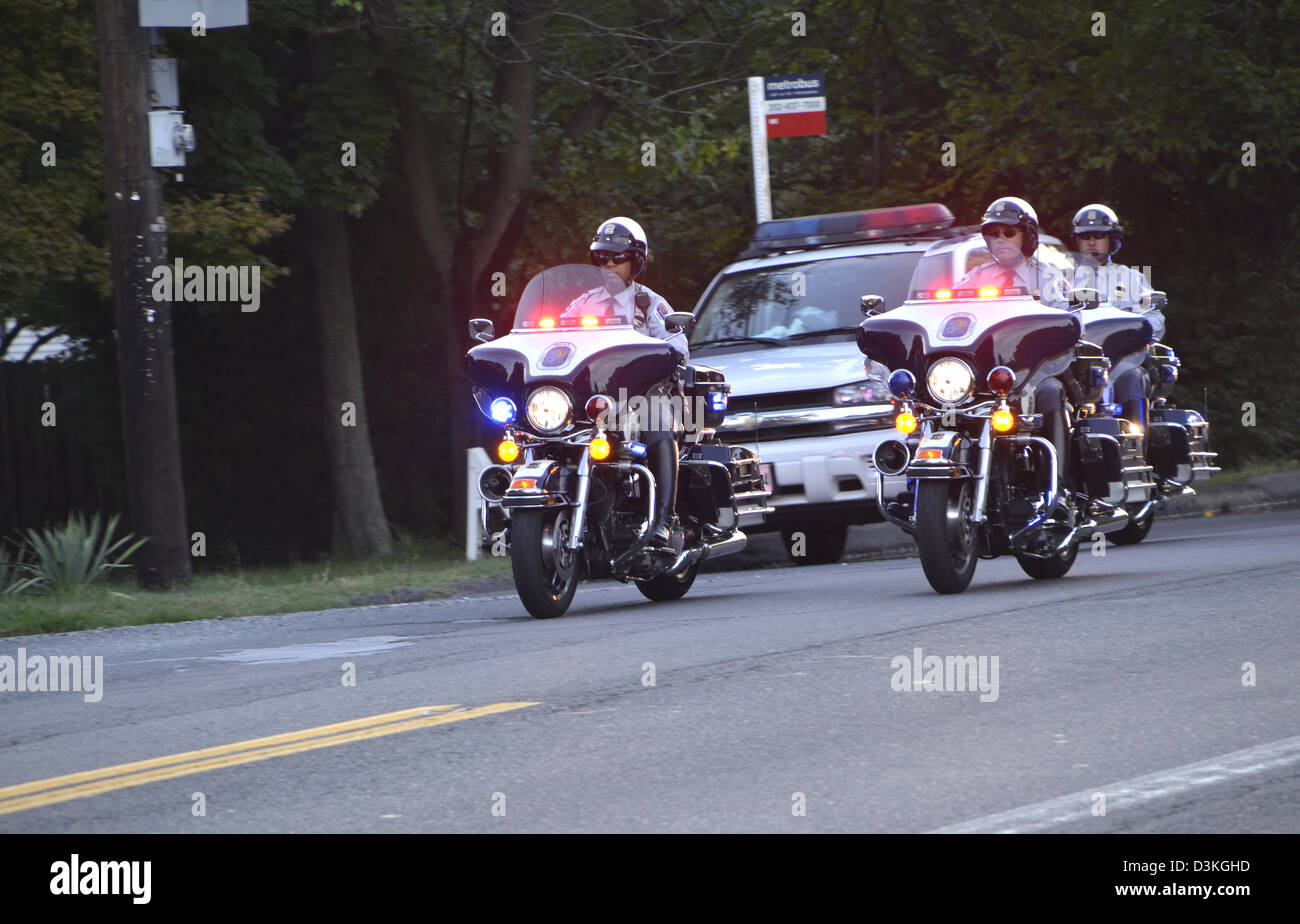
[1171, 443]
[977, 478]
[569, 385]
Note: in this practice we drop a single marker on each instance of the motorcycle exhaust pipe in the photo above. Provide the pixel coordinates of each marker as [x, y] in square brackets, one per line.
[1106, 521]
[494, 482]
[890, 457]
[729, 546]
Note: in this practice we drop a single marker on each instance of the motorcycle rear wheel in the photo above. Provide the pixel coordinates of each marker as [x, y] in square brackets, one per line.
[668, 586]
[1048, 568]
[1136, 530]
[545, 572]
[945, 533]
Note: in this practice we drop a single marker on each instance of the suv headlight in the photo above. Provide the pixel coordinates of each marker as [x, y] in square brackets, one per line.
[861, 393]
[950, 380]
[548, 408]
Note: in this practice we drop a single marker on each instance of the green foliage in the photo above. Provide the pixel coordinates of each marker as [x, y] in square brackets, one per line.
[49, 95]
[73, 555]
[223, 229]
[13, 563]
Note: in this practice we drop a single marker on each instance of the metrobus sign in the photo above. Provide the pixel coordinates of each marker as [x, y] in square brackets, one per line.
[795, 105]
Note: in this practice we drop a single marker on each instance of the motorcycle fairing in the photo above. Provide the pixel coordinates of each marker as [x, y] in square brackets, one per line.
[1122, 335]
[1033, 341]
[603, 362]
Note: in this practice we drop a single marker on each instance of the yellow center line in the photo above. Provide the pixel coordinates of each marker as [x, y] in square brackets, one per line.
[59, 789]
[320, 730]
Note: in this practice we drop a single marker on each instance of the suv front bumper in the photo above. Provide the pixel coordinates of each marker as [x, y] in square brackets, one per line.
[820, 480]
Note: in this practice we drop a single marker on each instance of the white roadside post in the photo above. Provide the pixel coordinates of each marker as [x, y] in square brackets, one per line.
[476, 459]
[758, 148]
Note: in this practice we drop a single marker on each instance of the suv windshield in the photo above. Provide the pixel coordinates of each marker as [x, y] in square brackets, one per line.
[801, 299]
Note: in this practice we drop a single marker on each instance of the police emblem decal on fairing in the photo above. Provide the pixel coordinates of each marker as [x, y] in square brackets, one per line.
[955, 326]
[557, 355]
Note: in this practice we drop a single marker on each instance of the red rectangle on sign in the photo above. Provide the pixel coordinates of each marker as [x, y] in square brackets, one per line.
[793, 124]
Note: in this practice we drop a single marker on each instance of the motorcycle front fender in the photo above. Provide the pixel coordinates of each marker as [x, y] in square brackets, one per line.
[537, 484]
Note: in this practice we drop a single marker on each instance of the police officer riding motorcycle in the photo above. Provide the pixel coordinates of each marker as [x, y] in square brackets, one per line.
[1173, 441]
[991, 380]
[590, 388]
[620, 243]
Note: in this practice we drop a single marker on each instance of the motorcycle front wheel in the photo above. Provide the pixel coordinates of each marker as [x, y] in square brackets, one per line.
[544, 568]
[945, 533]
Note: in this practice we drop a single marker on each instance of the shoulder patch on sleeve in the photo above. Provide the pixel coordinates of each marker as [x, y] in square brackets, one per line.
[662, 309]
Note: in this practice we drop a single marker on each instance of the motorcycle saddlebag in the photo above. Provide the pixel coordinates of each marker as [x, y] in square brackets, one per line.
[1099, 456]
[1178, 438]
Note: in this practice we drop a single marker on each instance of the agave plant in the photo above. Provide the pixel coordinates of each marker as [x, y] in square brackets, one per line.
[74, 554]
[13, 569]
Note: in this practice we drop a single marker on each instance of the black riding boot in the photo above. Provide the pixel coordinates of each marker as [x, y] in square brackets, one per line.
[1136, 411]
[663, 464]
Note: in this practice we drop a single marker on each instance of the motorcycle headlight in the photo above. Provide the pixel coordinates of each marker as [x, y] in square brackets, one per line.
[950, 380]
[548, 408]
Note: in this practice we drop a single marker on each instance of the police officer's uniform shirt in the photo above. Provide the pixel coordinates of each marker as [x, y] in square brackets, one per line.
[1121, 286]
[1034, 276]
[649, 322]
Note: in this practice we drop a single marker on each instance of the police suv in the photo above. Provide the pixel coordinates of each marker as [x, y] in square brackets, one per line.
[780, 323]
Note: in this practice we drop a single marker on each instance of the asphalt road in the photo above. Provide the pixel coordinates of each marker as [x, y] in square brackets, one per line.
[763, 701]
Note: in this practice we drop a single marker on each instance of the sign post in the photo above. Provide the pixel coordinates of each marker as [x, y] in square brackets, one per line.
[781, 107]
[758, 149]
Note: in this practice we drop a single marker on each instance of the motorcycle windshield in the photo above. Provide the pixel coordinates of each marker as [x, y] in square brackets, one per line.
[574, 297]
[1122, 286]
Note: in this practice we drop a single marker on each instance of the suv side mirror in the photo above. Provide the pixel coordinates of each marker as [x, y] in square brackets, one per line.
[1156, 301]
[871, 305]
[481, 329]
[680, 321]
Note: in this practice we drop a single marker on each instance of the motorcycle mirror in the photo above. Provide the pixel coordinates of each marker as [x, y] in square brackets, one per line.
[680, 321]
[481, 329]
[1085, 296]
[1155, 301]
[871, 304]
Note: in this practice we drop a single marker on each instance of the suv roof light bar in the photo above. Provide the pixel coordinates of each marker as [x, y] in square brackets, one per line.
[848, 227]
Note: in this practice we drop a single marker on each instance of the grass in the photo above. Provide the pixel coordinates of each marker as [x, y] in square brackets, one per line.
[434, 570]
[1253, 470]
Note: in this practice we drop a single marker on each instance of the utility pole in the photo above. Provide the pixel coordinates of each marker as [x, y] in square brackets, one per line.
[138, 235]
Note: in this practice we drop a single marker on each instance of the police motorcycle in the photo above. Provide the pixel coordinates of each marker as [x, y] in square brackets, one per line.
[569, 385]
[1166, 448]
[978, 478]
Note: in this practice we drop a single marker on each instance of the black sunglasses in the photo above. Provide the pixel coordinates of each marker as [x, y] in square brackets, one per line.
[1005, 231]
[1092, 235]
[600, 257]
